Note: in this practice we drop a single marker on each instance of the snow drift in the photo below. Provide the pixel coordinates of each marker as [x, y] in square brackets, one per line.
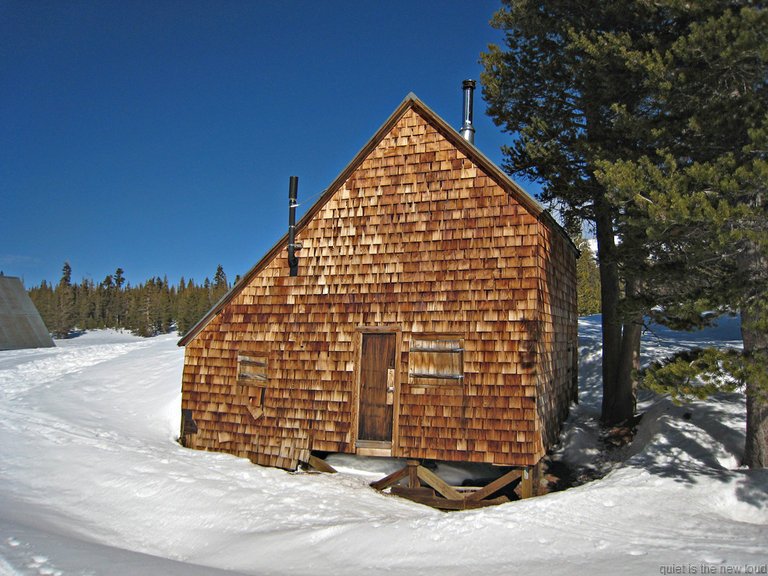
[93, 482]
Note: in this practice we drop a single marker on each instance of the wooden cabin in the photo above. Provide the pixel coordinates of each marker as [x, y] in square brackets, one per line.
[432, 316]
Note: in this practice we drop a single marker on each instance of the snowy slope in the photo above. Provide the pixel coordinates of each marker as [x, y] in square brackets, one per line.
[92, 482]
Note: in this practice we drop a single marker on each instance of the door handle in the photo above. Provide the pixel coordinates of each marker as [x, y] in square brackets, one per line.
[390, 386]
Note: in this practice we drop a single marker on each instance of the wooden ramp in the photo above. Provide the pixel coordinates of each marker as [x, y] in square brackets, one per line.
[426, 487]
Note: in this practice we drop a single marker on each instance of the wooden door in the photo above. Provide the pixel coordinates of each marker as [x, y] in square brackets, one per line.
[377, 368]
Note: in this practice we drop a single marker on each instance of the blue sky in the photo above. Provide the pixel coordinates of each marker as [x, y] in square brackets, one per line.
[159, 136]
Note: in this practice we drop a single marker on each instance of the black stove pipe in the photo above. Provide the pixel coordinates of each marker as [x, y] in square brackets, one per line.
[293, 261]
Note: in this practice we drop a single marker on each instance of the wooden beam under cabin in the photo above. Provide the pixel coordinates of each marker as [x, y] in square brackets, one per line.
[320, 465]
[496, 485]
[413, 473]
[428, 497]
[387, 481]
[526, 484]
[438, 484]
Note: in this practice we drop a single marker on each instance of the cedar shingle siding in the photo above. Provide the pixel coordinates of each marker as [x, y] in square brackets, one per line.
[422, 238]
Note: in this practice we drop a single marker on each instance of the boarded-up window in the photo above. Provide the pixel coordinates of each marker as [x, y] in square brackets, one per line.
[439, 358]
[252, 369]
[251, 381]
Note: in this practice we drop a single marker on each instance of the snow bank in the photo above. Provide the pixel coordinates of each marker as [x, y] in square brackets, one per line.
[93, 482]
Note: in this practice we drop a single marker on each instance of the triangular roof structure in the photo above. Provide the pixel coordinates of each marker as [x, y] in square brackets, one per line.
[411, 102]
[432, 315]
[20, 323]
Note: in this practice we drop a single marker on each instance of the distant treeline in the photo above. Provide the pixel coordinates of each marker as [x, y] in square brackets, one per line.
[157, 307]
[154, 307]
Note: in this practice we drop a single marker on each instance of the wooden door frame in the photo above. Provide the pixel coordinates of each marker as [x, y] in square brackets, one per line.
[360, 331]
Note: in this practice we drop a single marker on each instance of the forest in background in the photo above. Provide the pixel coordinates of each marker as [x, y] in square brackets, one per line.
[157, 306]
[153, 307]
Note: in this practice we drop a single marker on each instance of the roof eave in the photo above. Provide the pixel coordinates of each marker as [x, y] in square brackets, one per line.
[338, 181]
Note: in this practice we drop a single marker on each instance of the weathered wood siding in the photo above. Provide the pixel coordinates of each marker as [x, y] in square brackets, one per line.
[419, 240]
[556, 360]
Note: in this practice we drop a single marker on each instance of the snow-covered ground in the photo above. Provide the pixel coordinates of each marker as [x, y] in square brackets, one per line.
[92, 482]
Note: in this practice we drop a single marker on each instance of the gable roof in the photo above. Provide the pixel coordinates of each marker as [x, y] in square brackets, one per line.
[20, 322]
[411, 102]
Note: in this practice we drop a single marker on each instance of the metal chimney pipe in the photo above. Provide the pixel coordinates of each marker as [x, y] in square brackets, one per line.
[467, 130]
[293, 261]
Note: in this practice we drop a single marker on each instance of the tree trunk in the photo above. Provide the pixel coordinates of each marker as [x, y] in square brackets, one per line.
[756, 447]
[626, 379]
[754, 319]
[756, 352]
[629, 360]
[618, 352]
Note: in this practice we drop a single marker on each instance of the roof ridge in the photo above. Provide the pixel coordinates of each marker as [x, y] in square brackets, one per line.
[445, 129]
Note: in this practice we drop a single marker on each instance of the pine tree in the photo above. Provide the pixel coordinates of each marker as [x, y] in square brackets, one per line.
[220, 286]
[66, 274]
[193, 303]
[153, 307]
[556, 88]
[107, 291]
[64, 302]
[42, 297]
[85, 304]
[118, 278]
[698, 192]
[603, 105]
[587, 281]
[119, 300]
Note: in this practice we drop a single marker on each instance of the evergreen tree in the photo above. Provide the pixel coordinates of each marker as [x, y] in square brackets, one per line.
[220, 286]
[118, 278]
[208, 287]
[587, 281]
[85, 303]
[583, 94]
[193, 303]
[42, 298]
[649, 119]
[698, 192]
[109, 314]
[64, 302]
[185, 307]
[119, 304]
[558, 95]
[66, 274]
[153, 307]
[160, 306]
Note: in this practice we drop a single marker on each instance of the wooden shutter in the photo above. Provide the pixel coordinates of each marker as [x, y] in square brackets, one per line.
[438, 359]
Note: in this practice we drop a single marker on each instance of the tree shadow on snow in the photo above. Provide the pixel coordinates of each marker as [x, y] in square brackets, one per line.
[690, 442]
[752, 488]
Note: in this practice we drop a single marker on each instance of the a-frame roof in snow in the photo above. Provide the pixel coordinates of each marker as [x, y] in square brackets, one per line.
[20, 323]
[411, 102]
